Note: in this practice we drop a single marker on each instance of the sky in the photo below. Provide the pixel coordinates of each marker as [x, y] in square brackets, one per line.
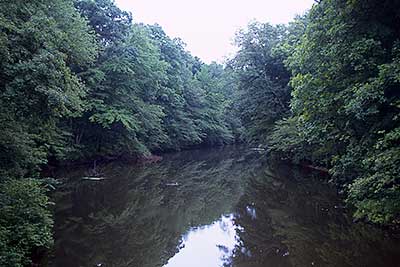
[208, 26]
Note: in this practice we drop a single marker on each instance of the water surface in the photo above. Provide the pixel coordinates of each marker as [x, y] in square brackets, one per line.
[211, 207]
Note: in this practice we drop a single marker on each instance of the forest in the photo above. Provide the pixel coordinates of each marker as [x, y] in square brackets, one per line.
[80, 81]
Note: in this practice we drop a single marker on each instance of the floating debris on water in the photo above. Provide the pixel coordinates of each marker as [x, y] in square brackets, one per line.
[171, 184]
[93, 178]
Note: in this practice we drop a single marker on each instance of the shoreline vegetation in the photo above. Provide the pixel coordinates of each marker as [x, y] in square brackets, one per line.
[80, 80]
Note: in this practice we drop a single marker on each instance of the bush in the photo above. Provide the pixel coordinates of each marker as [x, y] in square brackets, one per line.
[25, 221]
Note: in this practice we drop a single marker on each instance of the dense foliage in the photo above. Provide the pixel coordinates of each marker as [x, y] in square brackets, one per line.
[25, 221]
[145, 92]
[263, 92]
[343, 59]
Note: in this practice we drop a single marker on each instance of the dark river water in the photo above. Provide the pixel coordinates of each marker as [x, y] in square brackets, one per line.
[210, 208]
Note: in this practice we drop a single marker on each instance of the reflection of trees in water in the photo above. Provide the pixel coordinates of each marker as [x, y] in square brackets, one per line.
[137, 216]
[300, 222]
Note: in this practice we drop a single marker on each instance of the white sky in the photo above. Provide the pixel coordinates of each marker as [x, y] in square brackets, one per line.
[208, 26]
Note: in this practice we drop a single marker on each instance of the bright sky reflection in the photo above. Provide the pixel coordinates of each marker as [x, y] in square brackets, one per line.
[207, 245]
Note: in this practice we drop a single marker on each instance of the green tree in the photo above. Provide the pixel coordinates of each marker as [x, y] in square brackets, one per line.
[263, 92]
[40, 45]
[25, 221]
[123, 110]
[108, 21]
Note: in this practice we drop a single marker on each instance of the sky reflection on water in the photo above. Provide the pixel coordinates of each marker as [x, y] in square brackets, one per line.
[211, 245]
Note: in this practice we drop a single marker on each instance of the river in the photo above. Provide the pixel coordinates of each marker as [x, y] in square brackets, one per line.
[210, 208]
